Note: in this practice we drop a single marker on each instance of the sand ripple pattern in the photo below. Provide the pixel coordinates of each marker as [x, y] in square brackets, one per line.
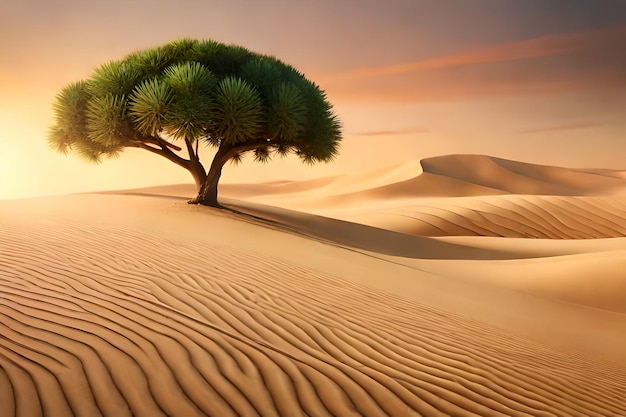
[90, 325]
[518, 216]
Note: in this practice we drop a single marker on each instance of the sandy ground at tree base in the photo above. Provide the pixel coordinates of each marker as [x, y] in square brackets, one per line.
[477, 286]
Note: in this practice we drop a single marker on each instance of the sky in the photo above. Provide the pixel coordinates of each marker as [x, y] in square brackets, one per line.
[540, 81]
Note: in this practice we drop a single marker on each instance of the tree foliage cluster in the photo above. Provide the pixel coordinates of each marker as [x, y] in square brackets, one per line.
[196, 92]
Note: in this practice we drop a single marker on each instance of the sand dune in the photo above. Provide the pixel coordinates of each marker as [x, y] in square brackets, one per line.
[135, 303]
[137, 313]
[523, 178]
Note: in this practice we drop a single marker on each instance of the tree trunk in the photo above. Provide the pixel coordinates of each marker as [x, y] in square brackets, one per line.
[207, 193]
[199, 175]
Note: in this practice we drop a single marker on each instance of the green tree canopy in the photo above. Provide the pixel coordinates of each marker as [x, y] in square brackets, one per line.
[192, 92]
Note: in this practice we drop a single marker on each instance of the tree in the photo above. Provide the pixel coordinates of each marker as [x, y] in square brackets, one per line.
[192, 92]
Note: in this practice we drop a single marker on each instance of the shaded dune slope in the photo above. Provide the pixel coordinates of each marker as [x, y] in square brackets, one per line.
[120, 322]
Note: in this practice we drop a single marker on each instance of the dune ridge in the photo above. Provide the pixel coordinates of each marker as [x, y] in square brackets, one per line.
[112, 320]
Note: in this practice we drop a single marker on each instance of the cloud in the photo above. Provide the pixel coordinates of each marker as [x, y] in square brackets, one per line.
[569, 126]
[567, 62]
[392, 132]
[544, 46]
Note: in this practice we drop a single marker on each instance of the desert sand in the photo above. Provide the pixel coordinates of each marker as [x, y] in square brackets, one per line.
[462, 286]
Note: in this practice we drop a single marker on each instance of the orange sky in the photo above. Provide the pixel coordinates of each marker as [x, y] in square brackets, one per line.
[538, 81]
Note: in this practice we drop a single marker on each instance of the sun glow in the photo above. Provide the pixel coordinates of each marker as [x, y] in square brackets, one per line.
[24, 151]
[8, 183]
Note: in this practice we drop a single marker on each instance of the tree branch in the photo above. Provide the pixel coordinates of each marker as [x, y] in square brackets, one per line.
[193, 156]
[164, 152]
[157, 140]
[170, 144]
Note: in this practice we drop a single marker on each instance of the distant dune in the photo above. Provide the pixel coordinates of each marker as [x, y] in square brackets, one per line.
[475, 175]
[514, 177]
[383, 294]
